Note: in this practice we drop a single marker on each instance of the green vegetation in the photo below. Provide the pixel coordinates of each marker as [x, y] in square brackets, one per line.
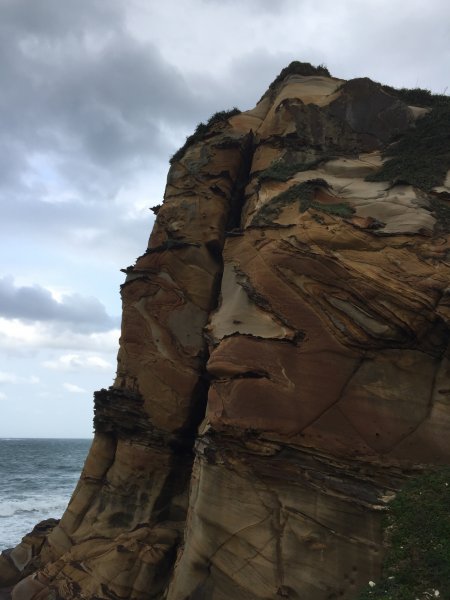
[422, 155]
[299, 68]
[303, 193]
[441, 210]
[417, 526]
[282, 171]
[222, 115]
[202, 129]
[342, 209]
[417, 96]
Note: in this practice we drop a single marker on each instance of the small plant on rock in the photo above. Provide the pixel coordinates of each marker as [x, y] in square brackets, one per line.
[421, 157]
[202, 129]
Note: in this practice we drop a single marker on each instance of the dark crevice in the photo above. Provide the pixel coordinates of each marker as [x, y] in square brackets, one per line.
[216, 288]
[182, 443]
[237, 200]
[244, 375]
[170, 245]
[198, 404]
[252, 375]
[123, 413]
[215, 248]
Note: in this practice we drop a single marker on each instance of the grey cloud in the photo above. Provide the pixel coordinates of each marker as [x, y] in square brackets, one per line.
[26, 215]
[53, 18]
[77, 87]
[94, 102]
[35, 303]
[47, 220]
[269, 6]
[12, 157]
[85, 107]
[253, 72]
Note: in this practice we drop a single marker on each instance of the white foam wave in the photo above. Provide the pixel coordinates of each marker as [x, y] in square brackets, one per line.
[18, 517]
[35, 506]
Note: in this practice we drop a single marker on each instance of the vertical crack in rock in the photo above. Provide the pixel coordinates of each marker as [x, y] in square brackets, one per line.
[238, 194]
[197, 254]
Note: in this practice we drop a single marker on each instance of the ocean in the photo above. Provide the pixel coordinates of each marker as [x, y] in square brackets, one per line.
[37, 478]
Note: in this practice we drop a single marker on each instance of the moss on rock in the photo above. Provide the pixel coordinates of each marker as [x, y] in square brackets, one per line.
[282, 170]
[421, 157]
[304, 194]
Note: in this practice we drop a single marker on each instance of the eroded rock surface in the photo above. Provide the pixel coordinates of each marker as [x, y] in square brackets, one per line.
[283, 365]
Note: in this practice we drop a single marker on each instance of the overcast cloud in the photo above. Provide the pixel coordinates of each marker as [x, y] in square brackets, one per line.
[35, 303]
[95, 95]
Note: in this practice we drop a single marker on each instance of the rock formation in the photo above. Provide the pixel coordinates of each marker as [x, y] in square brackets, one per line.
[284, 358]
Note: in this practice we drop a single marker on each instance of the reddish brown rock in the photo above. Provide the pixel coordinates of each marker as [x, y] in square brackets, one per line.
[290, 319]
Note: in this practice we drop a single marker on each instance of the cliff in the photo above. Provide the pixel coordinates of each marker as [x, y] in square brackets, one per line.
[284, 358]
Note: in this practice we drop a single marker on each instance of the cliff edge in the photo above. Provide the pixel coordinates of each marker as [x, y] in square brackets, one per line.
[284, 358]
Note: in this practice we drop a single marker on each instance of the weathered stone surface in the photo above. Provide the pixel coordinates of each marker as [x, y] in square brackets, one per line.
[283, 365]
[24, 558]
[269, 521]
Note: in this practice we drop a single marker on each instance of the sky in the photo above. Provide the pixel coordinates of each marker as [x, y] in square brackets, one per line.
[95, 96]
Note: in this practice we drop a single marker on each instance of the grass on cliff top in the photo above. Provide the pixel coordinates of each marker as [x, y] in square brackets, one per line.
[202, 129]
[297, 68]
[417, 96]
[421, 157]
[303, 193]
[417, 528]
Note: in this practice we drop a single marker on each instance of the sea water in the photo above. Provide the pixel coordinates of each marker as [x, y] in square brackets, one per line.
[37, 478]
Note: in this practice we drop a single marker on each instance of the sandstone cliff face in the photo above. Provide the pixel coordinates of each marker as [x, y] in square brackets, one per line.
[283, 364]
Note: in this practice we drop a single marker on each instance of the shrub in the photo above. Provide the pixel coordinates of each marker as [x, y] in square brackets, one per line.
[222, 115]
[417, 527]
[421, 157]
[202, 129]
[417, 96]
[299, 68]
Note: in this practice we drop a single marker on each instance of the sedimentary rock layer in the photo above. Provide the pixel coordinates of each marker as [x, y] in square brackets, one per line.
[283, 364]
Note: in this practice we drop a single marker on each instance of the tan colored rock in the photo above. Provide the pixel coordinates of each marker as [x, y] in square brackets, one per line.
[292, 319]
[285, 524]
